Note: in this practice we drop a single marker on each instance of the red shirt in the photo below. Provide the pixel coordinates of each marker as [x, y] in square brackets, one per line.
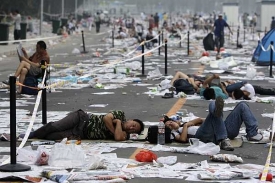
[37, 57]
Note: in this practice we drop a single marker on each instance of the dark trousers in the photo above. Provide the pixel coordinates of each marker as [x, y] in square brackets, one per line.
[97, 27]
[72, 126]
[219, 42]
[16, 34]
[263, 91]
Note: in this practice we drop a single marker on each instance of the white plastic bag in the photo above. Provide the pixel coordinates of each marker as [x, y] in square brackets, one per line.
[251, 72]
[198, 147]
[66, 155]
[154, 74]
[26, 154]
[95, 163]
[133, 65]
[75, 51]
[169, 160]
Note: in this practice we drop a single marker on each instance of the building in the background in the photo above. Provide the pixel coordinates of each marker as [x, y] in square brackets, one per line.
[231, 13]
[265, 10]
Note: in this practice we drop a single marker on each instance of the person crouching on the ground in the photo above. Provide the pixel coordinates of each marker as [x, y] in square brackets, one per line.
[80, 125]
[214, 91]
[214, 129]
[32, 65]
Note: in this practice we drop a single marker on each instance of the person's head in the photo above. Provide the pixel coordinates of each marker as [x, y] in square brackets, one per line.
[198, 83]
[220, 16]
[272, 18]
[133, 126]
[237, 94]
[173, 125]
[209, 93]
[41, 46]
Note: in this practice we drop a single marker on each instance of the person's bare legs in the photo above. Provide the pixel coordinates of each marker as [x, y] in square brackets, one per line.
[22, 77]
[23, 64]
[178, 75]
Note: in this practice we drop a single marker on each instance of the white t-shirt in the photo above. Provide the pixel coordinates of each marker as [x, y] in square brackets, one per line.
[192, 130]
[249, 88]
[123, 34]
[17, 21]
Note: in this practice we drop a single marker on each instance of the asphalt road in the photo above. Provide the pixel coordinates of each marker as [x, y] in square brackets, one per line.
[137, 105]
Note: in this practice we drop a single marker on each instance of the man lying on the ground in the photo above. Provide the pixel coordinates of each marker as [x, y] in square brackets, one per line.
[244, 90]
[80, 125]
[32, 65]
[189, 84]
[214, 129]
[212, 92]
[180, 80]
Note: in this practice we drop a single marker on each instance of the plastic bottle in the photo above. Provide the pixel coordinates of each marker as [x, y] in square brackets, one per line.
[161, 133]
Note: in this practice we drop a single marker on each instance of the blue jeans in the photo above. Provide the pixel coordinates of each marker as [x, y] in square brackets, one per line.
[213, 129]
[241, 114]
[230, 88]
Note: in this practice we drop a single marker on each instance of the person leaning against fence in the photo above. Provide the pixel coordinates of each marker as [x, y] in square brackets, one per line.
[80, 125]
[31, 65]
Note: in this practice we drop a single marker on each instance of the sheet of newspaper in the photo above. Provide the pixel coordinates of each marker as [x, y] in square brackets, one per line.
[19, 51]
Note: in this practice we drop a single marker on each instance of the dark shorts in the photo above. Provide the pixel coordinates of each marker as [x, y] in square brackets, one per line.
[35, 71]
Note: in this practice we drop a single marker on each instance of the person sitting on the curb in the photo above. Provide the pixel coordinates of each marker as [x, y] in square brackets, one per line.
[32, 65]
[214, 129]
[212, 92]
[80, 125]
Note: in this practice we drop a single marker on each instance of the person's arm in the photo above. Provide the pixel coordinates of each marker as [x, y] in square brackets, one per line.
[183, 136]
[25, 53]
[120, 135]
[207, 82]
[224, 89]
[30, 62]
[192, 81]
[108, 120]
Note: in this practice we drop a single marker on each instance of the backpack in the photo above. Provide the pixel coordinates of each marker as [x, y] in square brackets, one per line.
[208, 42]
[152, 135]
[182, 85]
[30, 81]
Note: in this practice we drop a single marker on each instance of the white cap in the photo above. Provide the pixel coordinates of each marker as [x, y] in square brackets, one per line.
[220, 15]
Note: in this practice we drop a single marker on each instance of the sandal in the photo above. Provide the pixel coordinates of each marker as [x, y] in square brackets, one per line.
[168, 95]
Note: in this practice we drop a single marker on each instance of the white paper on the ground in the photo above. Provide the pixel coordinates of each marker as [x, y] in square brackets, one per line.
[98, 105]
[103, 93]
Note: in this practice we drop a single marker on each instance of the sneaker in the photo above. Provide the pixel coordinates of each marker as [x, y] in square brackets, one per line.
[6, 82]
[219, 103]
[255, 138]
[225, 145]
[168, 95]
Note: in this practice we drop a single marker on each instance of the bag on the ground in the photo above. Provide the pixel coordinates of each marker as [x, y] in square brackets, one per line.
[32, 82]
[208, 42]
[152, 135]
[182, 85]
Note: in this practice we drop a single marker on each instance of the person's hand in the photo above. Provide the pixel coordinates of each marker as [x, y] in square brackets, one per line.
[216, 76]
[24, 51]
[23, 58]
[115, 121]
